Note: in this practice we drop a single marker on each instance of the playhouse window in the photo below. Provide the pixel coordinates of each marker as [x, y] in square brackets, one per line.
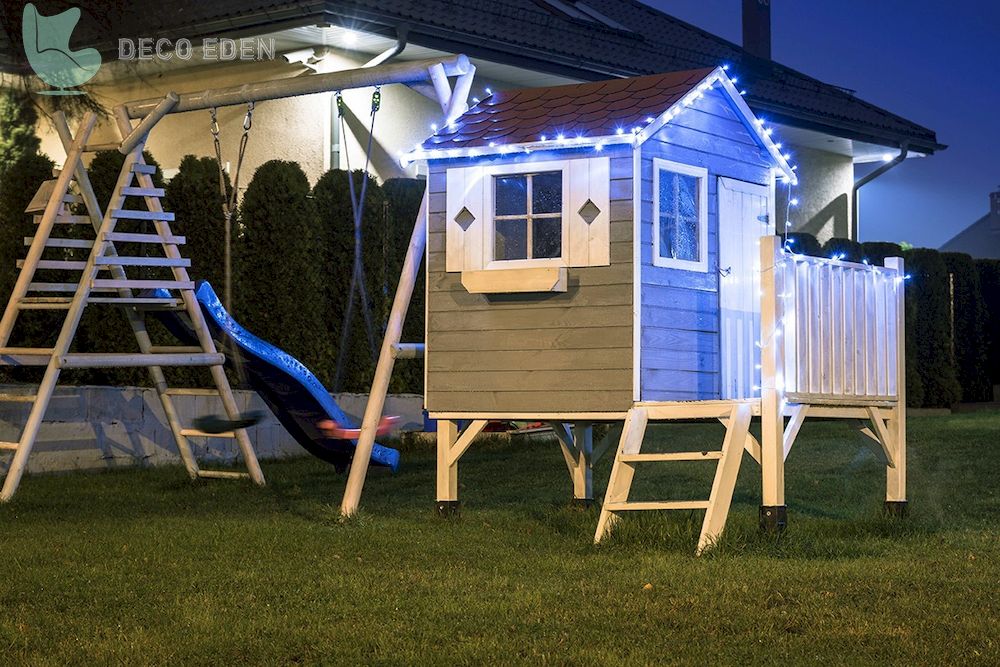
[680, 225]
[527, 217]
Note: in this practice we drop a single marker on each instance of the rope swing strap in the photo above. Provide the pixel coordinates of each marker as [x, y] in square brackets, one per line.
[229, 197]
[358, 283]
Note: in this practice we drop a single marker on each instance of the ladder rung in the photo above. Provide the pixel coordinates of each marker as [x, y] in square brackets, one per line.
[138, 360]
[62, 287]
[62, 243]
[72, 199]
[120, 213]
[170, 349]
[62, 264]
[12, 446]
[139, 301]
[25, 356]
[143, 192]
[672, 456]
[67, 220]
[189, 391]
[17, 398]
[657, 505]
[44, 303]
[195, 433]
[142, 284]
[142, 261]
[144, 168]
[95, 148]
[222, 474]
[125, 237]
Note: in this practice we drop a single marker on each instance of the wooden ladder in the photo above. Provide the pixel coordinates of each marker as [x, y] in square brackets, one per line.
[103, 280]
[616, 499]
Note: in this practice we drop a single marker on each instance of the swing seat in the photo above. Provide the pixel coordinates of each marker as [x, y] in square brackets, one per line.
[296, 397]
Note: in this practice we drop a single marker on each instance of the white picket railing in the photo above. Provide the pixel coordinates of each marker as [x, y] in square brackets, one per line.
[837, 329]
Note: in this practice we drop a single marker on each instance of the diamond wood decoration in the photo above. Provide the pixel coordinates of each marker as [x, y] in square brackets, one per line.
[464, 218]
[589, 211]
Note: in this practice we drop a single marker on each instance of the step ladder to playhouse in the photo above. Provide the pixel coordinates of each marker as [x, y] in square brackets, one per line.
[68, 203]
[735, 415]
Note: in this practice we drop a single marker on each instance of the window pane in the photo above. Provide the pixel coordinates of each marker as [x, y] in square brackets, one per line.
[679, 219]
[546, 192]
[512, 195]
[546, 239]
[511, 239]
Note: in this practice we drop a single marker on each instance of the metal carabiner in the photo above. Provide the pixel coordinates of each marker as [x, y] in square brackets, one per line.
[248, 119]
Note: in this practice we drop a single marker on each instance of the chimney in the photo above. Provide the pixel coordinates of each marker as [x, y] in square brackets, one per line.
[757, 28]
[995, 210]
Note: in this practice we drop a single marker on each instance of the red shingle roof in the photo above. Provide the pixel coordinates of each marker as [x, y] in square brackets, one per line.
[598, 109]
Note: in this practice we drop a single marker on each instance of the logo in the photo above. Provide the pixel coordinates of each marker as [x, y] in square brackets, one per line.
[46, 44]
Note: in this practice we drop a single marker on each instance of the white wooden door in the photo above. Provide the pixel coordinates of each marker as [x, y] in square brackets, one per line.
[745, 214]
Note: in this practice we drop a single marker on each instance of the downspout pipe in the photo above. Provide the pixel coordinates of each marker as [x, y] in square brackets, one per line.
[904, 149]
[402, 34]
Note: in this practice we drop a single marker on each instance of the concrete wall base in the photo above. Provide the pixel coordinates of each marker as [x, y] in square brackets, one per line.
[101, 428]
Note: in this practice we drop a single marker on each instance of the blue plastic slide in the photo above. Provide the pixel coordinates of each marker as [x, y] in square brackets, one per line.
[295, 396]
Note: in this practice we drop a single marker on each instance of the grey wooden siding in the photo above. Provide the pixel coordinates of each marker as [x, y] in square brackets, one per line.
[679, 343]
[536, 352]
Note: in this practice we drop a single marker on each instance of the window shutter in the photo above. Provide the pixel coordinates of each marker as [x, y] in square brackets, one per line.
[590, 212]
[466, 219]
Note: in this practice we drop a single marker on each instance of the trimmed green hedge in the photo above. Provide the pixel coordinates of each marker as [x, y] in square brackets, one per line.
[989, 283]
[278, 279]
[18, 119]
[852, 251]
[193, 196]
[804, 244]
[969, 314]
[876, 251]
[931, 328]
[404, 196]
[333, 200]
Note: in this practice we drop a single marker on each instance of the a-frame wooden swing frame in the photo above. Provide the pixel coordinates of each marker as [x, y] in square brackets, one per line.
[72, 187]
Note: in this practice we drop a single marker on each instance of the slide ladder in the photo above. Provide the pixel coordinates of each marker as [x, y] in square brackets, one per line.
[102, 279]
[616, 499]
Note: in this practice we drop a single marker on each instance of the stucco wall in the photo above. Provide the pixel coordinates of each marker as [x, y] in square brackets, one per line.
[297, 129]
[824, 194]
[92, 428]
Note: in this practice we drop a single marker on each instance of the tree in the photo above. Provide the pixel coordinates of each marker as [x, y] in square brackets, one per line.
[969, 314]
[278, 291]
[932, 327]
[17, 128]
[333, 201]
[193, 196]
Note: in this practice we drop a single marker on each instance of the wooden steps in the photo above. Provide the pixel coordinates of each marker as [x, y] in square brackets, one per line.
[118, 260]
[143, 284]
[140, 168]
[657, 505]
[222, 474]
[138, 360]
[195, 433]
[85, 244]
[66, 219]
[143, 192]
[11, 446]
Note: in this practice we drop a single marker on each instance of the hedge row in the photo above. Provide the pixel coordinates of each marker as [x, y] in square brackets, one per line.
[952, 318]
[293, 253]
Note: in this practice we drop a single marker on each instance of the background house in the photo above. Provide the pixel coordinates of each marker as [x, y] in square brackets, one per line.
[514, 43]
[981, 239]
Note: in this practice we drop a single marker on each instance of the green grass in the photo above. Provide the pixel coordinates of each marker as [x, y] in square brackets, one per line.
[144, 567]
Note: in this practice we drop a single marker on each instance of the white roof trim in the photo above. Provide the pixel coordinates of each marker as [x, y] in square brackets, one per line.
[635, 138]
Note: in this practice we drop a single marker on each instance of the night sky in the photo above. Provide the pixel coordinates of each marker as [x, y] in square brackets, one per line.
[935, 63]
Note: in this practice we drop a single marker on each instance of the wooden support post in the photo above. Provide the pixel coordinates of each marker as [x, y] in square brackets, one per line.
[895, 491]
[447, 470]
[583, 482]
[386, 361]
[773, 515]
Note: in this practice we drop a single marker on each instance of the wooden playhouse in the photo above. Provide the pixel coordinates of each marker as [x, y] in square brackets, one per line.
[606, 252]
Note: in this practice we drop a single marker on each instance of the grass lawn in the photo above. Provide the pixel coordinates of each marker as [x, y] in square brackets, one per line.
[137, 567]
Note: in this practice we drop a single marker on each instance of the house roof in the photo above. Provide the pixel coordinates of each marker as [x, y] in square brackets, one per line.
[597, 109]
[629, 110]
[616, 38]
[981, 239]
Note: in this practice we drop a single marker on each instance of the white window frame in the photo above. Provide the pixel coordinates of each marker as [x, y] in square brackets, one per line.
[701, 173]
[489, 175]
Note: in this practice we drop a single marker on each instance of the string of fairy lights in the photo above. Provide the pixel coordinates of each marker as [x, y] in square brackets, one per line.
[785, 174]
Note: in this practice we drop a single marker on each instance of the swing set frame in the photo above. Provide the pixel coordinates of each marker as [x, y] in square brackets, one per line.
[429, 77]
